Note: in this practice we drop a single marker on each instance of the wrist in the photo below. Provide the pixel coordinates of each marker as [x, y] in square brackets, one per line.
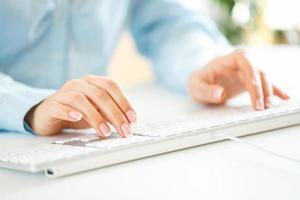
[29, 117]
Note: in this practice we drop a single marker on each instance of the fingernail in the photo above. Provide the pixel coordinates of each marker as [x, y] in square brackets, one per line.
[76, 116]
[286, 96]
[218, 92]
[105, 130]
[131, 116]
[260, 104]
[126, 130]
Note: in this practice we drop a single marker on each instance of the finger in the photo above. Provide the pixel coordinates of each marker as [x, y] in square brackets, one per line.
[106, 105]
[252, 80]
[79, 102]
[109, 109]
[63, 112]
[280, 93]
[116, 93]
[208, 93]
[267, 90]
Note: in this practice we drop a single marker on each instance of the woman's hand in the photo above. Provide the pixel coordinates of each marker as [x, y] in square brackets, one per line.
[91, 101]
[227, 76]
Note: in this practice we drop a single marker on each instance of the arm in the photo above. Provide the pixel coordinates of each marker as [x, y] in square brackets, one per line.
[75, 105]
[16, 99]
[175, 39]
[185, 49]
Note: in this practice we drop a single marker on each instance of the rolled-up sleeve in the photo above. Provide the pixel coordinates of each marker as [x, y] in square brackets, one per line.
[175, 39]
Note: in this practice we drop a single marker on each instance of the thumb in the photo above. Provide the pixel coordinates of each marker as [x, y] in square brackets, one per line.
[210, 93]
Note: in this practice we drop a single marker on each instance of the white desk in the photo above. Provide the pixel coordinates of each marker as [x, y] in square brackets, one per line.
[223, 170]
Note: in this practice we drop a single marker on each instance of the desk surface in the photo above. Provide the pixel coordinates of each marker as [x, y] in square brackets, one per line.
[223, 170]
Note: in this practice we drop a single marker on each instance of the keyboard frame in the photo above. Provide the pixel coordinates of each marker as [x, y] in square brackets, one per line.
[160, 145]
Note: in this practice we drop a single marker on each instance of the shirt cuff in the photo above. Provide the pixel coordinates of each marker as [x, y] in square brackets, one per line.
[28, 128]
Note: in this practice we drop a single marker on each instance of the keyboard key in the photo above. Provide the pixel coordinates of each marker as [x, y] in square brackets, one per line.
[192, 123]
[117, 142]
[43, 153]
[216, 118]
[89, 138]
[64, 141]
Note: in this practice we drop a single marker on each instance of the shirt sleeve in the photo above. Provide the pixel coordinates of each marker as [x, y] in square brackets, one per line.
[16, 99]
[175, 39]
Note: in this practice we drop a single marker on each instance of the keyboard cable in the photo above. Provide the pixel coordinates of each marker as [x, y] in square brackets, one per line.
[257, 147]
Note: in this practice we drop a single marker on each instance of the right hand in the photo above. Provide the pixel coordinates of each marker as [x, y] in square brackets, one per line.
[91, 101]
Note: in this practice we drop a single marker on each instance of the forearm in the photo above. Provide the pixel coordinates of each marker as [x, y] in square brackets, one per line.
[175, 39]
[183, 53]
[16, 100]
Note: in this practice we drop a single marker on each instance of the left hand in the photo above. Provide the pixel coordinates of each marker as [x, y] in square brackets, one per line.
[227, 76]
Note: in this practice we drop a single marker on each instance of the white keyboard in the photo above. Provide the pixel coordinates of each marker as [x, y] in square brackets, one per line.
[43, 153]
[66, 149]
[214, 118]
[38, 158]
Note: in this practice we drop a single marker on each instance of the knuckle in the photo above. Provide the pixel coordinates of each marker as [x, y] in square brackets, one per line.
[101, 95]
[88, 77]
[72, 83]
[255, 84]
[124, 104]
[126, 107]
[59, 113]
[57, 110]
[253, 72]
[75, 97]
[112, 84]
[118, 117]
[95, 119]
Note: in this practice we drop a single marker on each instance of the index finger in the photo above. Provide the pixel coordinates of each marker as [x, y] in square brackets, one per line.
[116, 93]
[252, 80]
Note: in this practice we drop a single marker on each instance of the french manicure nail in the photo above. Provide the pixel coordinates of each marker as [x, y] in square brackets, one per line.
[131, 116]
[260, 104]
[76, 116]
[126, 130]
[218, 92]
[104, 129]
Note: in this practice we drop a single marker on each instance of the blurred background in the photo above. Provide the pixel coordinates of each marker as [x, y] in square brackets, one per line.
[243, 22]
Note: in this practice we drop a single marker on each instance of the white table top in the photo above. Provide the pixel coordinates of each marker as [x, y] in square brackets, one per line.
[223, 170]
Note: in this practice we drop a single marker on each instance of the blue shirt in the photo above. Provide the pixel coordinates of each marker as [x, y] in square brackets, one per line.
[44, 43]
